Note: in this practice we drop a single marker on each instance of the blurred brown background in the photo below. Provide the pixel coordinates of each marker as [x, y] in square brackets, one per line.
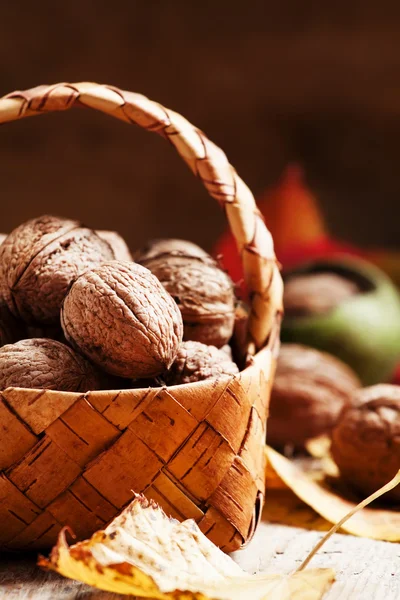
[269, 81]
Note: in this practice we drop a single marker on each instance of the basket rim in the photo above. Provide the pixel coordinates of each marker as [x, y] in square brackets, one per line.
[198, 385]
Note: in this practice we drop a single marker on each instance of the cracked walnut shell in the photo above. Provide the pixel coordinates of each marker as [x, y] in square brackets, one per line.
[366, 440]
[46, 364]
[40, 259]
[121, 318]
[204, 292]
[309, 391]
[196, 362]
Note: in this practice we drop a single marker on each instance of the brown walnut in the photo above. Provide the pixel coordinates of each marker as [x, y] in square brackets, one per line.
[196, 362]
[316, 293]
[121, 317]
[46, 364]
[40, 259]
[166, 247]
[309, 391]
[227, 350]
[204, 293]
[117, 243]
[11, 329]
[366, 440]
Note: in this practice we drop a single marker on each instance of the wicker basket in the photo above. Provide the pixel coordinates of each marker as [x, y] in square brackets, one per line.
[197, 449]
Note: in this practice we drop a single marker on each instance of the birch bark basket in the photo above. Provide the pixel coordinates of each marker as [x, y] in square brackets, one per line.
[196, 449]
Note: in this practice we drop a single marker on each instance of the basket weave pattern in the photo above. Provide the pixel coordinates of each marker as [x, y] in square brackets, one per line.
[196, 449]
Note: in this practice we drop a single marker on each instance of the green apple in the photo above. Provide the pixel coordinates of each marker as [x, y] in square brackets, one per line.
[363, 330]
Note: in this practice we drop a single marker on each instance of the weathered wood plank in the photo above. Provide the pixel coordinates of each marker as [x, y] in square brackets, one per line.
[366, 569]
[20, 579]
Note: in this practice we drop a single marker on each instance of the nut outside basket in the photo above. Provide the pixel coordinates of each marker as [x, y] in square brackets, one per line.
[197, 449]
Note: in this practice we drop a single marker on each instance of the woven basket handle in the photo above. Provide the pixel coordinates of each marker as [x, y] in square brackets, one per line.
[204, 158]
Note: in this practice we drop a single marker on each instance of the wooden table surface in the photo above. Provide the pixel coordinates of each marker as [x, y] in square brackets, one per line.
[366, 570]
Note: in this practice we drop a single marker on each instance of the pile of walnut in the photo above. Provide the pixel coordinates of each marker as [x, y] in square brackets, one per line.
[77, 313]
[309, 392]
[316, 394]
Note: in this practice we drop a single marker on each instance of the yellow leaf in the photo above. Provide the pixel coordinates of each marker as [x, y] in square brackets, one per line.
[317, 491]
[145, 553]
[272, 479]
[319, 447]
[283, 506]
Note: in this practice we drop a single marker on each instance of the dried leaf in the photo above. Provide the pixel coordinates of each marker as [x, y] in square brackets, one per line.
[272, 479]
[383, 490]
[319, 447]
[283, 506]
[316, 489]
[143, 552]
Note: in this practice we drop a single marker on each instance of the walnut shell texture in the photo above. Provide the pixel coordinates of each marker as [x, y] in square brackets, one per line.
[366, 440]
[40, 259]
[11, 329]
[167, 247]
[117, 243]
[316, 293]
[46, 364]
[197, 362]
[204, 293]
[227, 350]
[121, 317]
[308, 394]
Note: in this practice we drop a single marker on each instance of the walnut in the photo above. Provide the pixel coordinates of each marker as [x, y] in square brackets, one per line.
[204, 293]
[348, 308]
[309, 391]
[366, 440]
[166, 247]
[316, 293]
[46, 364]
[196, 361]
[121, 317]
[11, 330]
[227, 350]
[39, 261]
[117, 243]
